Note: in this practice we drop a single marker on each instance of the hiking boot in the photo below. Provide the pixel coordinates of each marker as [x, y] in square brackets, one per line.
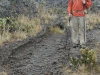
[74, 45]
[83, 46]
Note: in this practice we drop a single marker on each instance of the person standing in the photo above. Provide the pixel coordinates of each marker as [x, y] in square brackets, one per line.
[77, 12]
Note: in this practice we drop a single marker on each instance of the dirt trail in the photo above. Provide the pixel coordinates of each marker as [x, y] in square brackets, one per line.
[47, 56]
[44, 58]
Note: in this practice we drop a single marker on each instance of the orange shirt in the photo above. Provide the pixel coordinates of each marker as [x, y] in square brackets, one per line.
[77, 5]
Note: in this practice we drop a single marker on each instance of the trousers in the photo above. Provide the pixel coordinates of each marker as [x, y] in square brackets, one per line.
[78, 29]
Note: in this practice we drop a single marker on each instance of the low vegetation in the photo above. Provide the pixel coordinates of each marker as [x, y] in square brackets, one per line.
[57, 30]
[86, 64]
[87, 58]
[92, 20]
[3, 73]
[15, 29]
[19, 28]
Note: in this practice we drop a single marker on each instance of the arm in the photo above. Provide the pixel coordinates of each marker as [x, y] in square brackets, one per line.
[88, 3]
[70, 6]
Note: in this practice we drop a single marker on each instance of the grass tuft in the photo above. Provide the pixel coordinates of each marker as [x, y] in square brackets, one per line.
[57, 30]
[87, 58]
[92, 20]
[3, 73]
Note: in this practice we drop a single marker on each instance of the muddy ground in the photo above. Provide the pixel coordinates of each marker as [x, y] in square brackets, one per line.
[44, 55]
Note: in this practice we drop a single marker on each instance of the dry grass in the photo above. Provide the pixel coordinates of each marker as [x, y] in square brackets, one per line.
[31, 26]
[49, 17]
[92, 20]
[16, 36]
[25, 27]
[5, 37]
[3, 73]
[57, 30]
[46, 15]
[80, 71]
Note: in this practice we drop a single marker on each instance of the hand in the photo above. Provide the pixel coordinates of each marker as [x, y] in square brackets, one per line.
[70, 15]
[84, 1]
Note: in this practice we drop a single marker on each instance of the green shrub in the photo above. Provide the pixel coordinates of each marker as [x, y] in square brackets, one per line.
[87, 57]
[8, 24]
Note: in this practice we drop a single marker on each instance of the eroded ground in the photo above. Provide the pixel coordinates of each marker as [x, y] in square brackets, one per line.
[46, 56]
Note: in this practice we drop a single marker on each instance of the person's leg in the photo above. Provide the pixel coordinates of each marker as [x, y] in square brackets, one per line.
[82, 25]
[75, 29]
